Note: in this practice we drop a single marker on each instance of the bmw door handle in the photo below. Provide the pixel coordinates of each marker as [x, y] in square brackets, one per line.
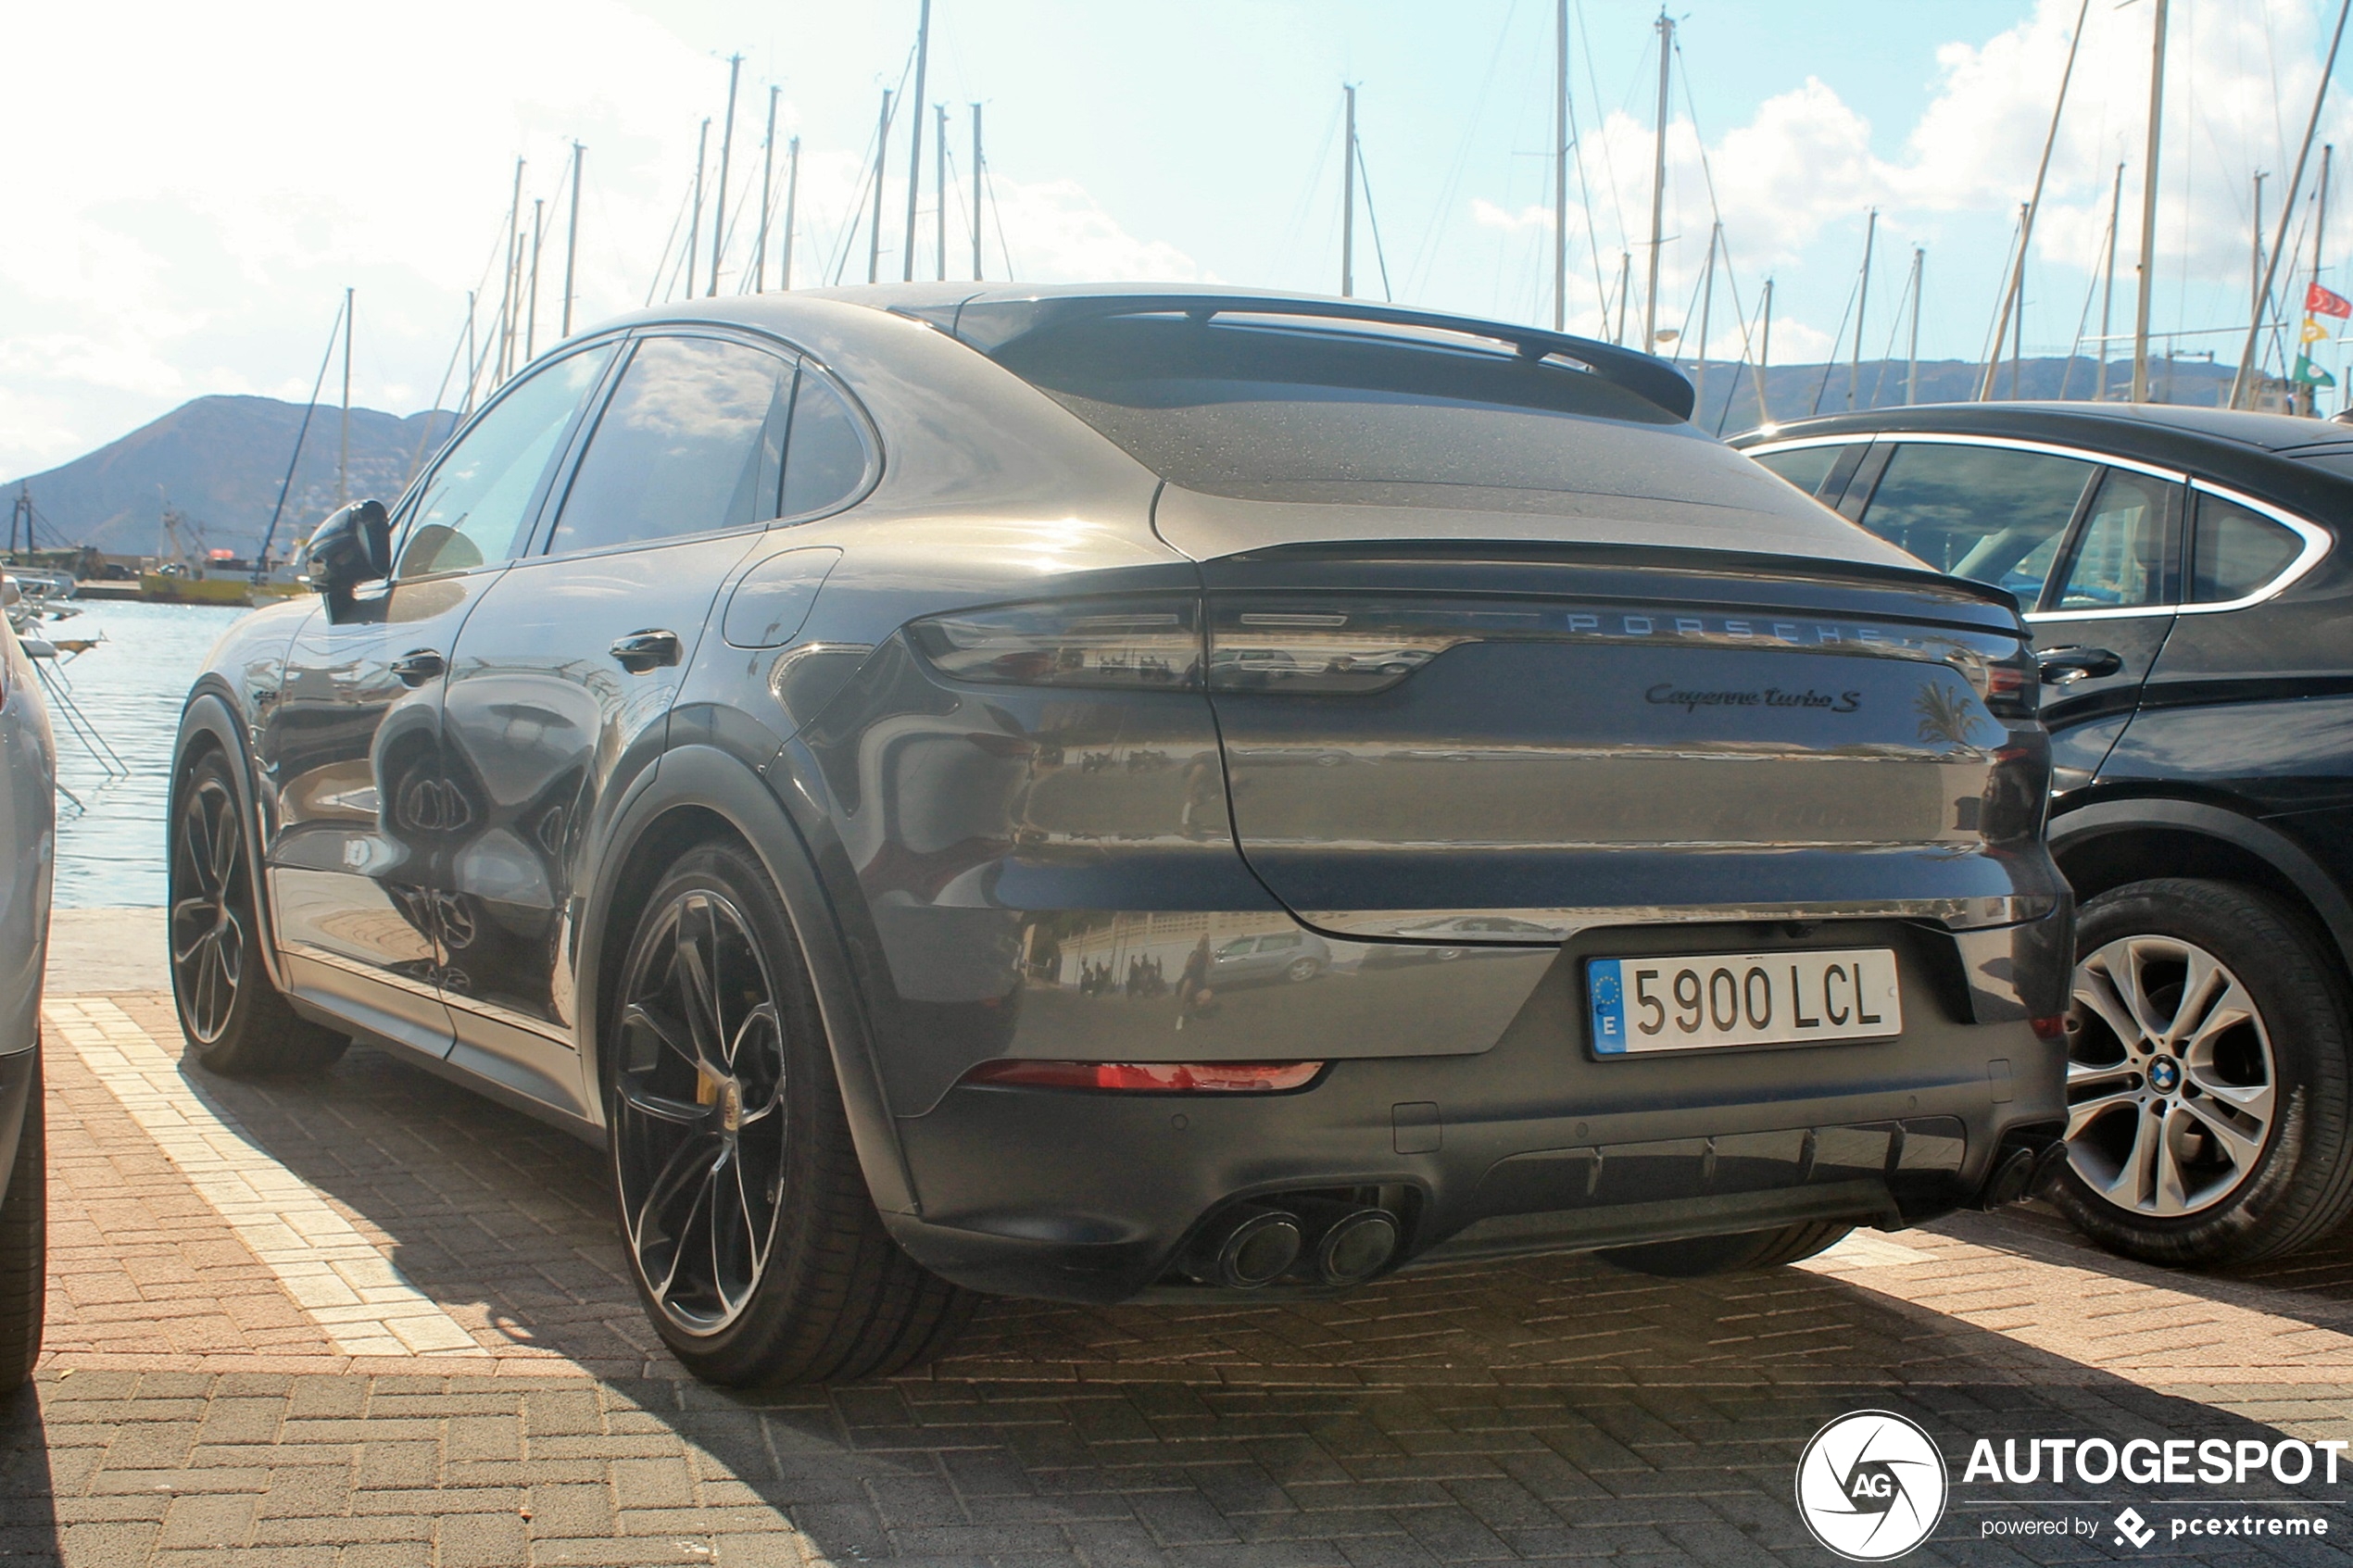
[419, 665]
[642, 651]
[2063, 667]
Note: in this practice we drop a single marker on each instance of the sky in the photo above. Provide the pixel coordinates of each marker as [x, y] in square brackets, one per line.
[192, 188]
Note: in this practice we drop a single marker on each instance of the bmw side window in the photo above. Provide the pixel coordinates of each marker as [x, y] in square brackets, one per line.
[1986, 513]
[479, 504]
[2120, 557]
[691, 442]
[826, 460]
[1805, 467]
[2236, 553]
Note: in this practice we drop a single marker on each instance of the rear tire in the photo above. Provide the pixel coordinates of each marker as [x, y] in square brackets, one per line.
[24, 1245]
[1698, 1257]
[234, 1019]
[756, 1248]
[2231, 1142]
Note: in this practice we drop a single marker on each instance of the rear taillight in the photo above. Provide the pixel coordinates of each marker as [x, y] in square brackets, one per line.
[2012, 687]
[1162, 1077]
[1124, 644]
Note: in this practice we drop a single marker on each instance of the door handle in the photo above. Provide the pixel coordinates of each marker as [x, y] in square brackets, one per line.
[641, 651]
[2063, 667]
[419, 665]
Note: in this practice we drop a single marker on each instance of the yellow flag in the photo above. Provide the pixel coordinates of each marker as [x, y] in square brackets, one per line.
[2313, 331]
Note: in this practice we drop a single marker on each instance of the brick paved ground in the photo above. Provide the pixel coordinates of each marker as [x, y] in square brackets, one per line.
[370, 1319]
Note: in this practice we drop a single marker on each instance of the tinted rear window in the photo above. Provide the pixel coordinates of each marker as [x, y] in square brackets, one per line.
[1214, 404]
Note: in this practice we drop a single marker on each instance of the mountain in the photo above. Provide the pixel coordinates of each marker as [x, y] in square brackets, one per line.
[221, 460]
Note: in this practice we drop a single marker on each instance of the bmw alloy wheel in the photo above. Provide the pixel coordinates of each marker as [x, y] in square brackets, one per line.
[2172, 1085]
[208, 931]
[700, 1127]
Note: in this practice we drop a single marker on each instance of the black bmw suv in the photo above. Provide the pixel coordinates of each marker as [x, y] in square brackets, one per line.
[2190, 610]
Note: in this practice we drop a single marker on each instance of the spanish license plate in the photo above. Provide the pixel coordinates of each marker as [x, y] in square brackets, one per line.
[1669, 1002]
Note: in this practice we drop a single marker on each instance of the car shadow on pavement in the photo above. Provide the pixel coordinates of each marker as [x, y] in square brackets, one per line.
[1535, 1407]
[28, 1490]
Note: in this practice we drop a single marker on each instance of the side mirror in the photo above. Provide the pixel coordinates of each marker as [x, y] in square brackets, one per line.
[354, 545]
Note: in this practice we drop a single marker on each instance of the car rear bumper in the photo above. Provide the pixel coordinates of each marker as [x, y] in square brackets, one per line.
[1533, 1144]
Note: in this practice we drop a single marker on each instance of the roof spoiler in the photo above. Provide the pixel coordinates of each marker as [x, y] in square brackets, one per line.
[989, 324]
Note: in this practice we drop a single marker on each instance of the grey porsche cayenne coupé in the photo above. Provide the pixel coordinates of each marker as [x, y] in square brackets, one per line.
[950, 786]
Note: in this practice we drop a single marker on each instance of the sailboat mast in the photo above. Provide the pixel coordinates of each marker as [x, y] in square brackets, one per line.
[1765, 356]
[1560, 166]
[507, 278]
[939, 192]
[2148, 211]
[792, 199]
[1347, 201]
[572, 236]
[882, 156]
[1665, 25]
[767, 178]
[2254, 268]
[976, 192]
[1706, 307]
[719, 205]
[1862, 306]
[694, 219]
[2245, 381]
[2013, 296]
[916, 137]
[531, 308]
[342, 461]
[1625, 288]
[2108, 285]
[1912, 355]
[2018, 316]
[2308, 395]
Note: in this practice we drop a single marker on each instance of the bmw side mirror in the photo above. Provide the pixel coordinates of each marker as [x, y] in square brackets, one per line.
[354, 545]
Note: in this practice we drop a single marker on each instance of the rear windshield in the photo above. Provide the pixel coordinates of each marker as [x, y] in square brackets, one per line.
[1224, 407]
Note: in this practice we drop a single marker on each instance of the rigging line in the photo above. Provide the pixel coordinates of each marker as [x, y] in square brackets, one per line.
[1424, 258]
[433, 409]
[1585, 195]
[2091, 292]
[2009, 254]
[877, 145]
[1307, 193]
[1716, 213]
[1895, 325]
[1746, 359]
[1373, 219]
[1609, 166]
[663, 259]
[997, 211]
[269, 535]
[1830, 363]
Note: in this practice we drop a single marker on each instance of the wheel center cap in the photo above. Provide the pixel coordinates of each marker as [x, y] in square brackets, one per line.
[2165, 1074]
[731, 1105]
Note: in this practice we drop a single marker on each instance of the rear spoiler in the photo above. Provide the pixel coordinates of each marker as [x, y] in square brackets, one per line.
[989, 325]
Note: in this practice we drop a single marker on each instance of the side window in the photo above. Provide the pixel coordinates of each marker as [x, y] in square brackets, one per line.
[1804, 466]
[477, 506]
[2119, 561]
[1281, 943]
[2235, 552]
[827, 460]
[1981, 512]
[692, 441]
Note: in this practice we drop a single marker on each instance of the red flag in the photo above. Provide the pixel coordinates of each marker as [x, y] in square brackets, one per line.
[2321, 302]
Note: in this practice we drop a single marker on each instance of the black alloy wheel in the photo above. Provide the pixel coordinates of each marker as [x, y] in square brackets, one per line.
[233, 1017]
[701, 1132]
[209, 933]
[2209, 1110]
[755, 1246]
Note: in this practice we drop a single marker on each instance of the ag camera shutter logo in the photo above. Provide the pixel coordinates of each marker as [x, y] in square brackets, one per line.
[1870, 1486]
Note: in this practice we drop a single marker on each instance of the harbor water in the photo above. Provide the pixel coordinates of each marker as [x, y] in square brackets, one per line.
[130, 688]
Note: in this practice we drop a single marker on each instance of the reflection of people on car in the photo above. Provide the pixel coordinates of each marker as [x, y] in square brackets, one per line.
[1193, 995]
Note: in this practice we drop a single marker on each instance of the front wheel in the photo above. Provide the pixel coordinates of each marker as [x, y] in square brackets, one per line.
[234, 1019]
[2207, 1079]
[1303, 970]
[756, 1248]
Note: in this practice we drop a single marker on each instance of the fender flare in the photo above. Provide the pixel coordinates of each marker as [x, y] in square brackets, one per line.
[208, 712]
[2106, 818]
[708, 779]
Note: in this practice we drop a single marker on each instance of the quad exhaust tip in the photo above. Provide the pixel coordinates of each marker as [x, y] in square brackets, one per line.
[1328, 1241]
